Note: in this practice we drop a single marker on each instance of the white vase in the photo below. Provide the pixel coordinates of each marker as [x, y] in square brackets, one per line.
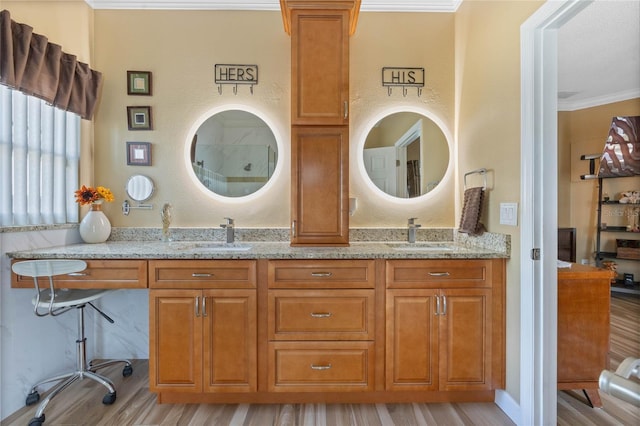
[95, 226]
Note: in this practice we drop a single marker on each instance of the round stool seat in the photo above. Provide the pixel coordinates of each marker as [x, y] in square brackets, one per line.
[68, 297]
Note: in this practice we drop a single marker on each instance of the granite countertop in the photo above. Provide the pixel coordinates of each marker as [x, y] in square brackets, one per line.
[260, 250]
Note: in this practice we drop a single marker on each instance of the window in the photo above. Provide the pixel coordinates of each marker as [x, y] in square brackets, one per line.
[39, 159]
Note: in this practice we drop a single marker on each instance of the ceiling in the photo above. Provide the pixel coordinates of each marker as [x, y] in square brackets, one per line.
[599, 49]
[599, 55]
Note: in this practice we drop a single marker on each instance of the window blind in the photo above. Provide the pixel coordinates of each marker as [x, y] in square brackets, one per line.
[39, 161]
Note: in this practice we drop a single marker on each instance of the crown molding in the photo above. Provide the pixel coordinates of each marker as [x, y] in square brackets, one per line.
[366, 6]
[568, 105]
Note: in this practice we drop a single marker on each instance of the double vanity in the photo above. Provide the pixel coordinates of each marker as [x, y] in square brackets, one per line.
[264, 321]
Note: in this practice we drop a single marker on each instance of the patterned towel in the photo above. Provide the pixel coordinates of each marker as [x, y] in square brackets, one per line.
[471, 210]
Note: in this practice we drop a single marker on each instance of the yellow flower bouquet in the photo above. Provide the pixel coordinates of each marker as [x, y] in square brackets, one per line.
[90, 195]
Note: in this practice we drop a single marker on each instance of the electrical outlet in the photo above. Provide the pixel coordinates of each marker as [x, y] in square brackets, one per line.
[509, 214]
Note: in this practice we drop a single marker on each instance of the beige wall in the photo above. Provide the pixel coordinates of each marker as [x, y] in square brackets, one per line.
[181, 49]
[584, 132]
[488, 128]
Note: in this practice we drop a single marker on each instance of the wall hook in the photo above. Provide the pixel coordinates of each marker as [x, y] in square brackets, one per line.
[389, 90]
[404, 92]
[235, 89]
[220, 89]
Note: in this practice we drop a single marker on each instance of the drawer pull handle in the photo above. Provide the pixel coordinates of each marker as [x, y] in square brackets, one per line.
[78, 274]
[321, 274]
[320, 314]
[201, 275]
[320, 367]
[439, 274]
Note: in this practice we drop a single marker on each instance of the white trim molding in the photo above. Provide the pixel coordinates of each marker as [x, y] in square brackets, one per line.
[366, 6]
[538, 197]
[568, 105]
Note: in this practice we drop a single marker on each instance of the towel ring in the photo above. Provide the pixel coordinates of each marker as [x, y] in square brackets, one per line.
[482, 172]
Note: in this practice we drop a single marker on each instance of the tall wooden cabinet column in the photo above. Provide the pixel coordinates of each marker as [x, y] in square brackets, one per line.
[320, 118]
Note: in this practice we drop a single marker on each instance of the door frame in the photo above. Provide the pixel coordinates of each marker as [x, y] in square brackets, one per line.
[538, 194]
[413, 133]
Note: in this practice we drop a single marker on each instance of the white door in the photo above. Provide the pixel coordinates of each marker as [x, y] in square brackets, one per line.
[380, 164]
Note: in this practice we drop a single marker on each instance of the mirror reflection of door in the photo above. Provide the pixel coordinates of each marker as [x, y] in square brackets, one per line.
[380, 164]
[406, 154]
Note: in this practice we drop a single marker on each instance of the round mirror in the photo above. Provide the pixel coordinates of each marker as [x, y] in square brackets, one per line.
[234, 153]
[406, 154]
[139, 188]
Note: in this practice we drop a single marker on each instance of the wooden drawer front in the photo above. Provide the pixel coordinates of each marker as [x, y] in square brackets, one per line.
[202, 274]
[321, 274]
[438, 273]
[321, 314]
[99, 274]
[321, 366]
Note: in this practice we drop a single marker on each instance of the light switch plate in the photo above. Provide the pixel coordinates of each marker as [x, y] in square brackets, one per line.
[509, 214]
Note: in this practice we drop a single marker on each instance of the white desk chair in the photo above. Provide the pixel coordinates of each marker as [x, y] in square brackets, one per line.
[50, 301]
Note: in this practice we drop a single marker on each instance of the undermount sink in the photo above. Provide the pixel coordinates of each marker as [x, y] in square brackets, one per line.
[423, 247]
[211, 246]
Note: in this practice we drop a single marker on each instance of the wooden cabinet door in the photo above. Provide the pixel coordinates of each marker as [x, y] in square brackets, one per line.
[584, 302]
[412, 340]
[465, 339]
[175, 341]
[230, 341]
[320, 186]
[320, 67]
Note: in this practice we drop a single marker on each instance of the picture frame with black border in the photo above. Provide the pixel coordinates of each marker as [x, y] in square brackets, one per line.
[139, 83]
[138, 153]
[139, 118]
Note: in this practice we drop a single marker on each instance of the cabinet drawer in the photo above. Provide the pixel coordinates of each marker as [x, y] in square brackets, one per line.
[202, 274]
[321, 314]
[321, 366]
[321, 274]
[438, 273]
[99, 274]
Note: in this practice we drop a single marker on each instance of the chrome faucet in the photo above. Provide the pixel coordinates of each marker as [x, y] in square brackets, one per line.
[230, 231]
[413, 226]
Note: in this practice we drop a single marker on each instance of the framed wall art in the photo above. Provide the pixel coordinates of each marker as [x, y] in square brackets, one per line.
[139, 117]
[138, 153]
[139, 83]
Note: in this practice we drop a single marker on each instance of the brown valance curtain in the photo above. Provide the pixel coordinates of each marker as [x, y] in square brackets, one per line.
[32, 65]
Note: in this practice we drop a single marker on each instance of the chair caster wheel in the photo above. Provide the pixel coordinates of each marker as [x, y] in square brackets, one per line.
[127, 371]
[32, 398]
[109, 398]
[37, 421]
